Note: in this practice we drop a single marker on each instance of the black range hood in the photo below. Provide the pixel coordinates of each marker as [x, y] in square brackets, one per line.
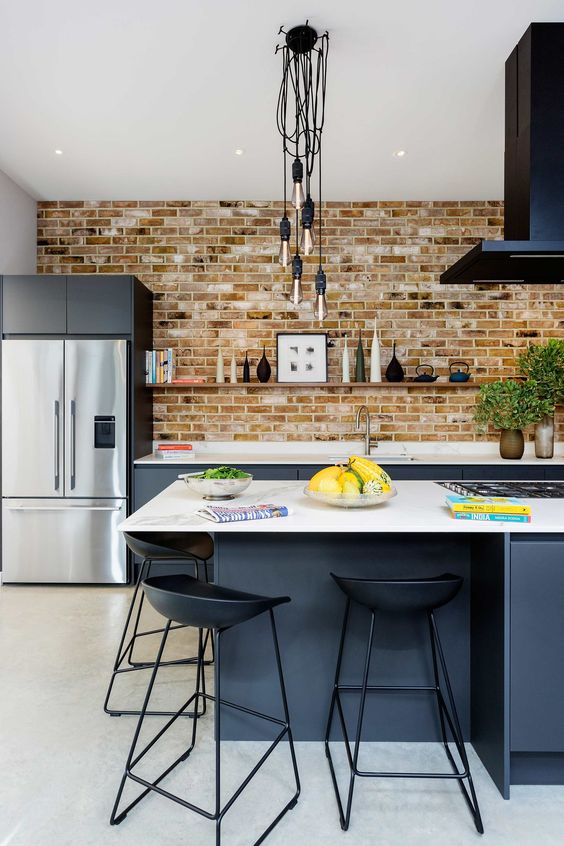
[533, 249]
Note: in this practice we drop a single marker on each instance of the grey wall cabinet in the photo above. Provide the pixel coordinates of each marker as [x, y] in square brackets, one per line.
[68, 305]
[99, 305]
[34, 305]
[537, 636]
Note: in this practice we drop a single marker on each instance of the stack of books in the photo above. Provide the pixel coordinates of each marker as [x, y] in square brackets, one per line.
[159, 366]
[176, 452]
[495, 508]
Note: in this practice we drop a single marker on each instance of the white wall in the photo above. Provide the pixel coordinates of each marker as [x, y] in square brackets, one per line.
[18, 228]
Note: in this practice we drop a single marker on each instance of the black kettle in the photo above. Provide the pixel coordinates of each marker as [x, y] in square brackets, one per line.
[459, 375]
[425, 377]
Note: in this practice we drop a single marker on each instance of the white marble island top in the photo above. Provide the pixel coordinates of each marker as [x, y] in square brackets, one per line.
[418, 508]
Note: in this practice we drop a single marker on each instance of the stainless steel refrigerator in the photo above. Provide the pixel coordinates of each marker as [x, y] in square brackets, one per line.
[64, 460]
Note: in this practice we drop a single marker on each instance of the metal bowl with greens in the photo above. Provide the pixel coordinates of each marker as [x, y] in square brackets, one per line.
[218, 483]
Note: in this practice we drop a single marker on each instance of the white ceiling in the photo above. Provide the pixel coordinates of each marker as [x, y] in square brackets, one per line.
[149, 100]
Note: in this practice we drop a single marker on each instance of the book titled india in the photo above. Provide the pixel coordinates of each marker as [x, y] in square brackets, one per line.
[485, 517]
[224, 514]
[487, 504]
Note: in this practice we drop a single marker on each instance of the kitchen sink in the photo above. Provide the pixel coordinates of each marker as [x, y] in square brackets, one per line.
[379, 458]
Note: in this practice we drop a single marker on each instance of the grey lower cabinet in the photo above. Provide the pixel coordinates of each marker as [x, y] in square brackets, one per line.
[537, 639]
[34, 305]
[516, 472]
[151, 479]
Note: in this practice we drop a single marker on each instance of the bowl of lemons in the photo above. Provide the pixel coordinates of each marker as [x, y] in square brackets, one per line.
[359, 484]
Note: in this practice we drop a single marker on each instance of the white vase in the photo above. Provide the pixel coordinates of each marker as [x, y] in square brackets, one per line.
[219, 371]
[346, 364]
[233, 370]
[375, 364]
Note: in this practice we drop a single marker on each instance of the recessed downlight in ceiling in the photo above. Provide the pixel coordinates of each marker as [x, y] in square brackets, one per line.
[239, 151]
[399, 154]
[58, 152]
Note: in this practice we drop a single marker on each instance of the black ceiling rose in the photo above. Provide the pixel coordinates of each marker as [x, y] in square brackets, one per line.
[301, 39]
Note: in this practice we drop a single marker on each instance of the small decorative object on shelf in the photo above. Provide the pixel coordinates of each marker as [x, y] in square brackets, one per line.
[375, 366]
[359, 370]
[346, 364]
[219, 370]
[301, 357]
[263, 368]
[394, 370]
[423, 376]
[246, 369]
[233, 370]
[458, 375]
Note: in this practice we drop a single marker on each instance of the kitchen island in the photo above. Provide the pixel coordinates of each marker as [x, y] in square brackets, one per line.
[503, 634]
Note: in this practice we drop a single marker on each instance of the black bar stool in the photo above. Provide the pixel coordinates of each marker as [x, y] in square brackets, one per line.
[401, 596]
[186, 601]
[195, 548]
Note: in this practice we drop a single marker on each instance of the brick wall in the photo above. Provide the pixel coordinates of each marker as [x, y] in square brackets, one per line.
[214, 271]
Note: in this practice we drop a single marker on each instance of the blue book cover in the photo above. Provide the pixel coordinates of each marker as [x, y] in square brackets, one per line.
[506, 518]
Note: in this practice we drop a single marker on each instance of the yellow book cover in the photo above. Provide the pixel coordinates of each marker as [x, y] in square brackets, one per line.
[487, 505]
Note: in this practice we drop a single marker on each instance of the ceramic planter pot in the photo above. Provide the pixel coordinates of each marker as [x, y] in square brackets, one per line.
[544, 437]
[511, 443]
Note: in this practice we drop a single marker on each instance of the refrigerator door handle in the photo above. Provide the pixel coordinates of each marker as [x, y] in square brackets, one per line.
[72, 444]
[57, 445]
[62, 508]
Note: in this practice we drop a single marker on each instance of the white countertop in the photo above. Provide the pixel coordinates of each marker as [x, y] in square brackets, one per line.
[418, 507]
[329, 452]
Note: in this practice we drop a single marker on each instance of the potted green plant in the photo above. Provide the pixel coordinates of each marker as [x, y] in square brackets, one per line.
[544, 363]
[510, 406]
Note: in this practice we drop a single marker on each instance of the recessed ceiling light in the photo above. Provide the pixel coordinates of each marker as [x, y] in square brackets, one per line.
[58, 152]
[399, 154]
[239, 151]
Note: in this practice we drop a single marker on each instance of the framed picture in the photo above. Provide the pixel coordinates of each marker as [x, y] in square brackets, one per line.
[301, 357]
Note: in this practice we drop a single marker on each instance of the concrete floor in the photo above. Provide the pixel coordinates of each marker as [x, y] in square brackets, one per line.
[61, 757]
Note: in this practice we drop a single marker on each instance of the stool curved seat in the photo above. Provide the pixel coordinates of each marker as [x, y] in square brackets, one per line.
[190, 602]
[401, 595]
[159, 545]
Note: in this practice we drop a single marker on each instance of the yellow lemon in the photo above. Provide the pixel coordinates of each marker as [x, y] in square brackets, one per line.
[350, 489]
[328, 486]
[328, 473]
[350, 478]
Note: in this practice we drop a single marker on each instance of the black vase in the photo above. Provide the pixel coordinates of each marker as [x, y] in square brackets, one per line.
[246, 370]
[360, 371]
[394, 370]
[263, 368]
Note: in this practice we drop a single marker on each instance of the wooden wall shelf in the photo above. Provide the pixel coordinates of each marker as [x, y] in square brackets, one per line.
[473, 383]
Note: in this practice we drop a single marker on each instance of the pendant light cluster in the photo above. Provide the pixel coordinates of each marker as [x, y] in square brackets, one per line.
[300, 117]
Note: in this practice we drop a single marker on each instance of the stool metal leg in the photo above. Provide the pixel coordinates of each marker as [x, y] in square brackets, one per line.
[447, 716]
[132, 761]
[345, 815]
[219, 812]
[126, 653]
[454, 725]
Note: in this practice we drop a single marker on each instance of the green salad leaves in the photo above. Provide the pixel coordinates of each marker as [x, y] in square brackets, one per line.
[221, 473]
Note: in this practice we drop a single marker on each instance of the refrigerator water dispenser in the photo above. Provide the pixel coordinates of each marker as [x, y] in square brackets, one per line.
[104, 432]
